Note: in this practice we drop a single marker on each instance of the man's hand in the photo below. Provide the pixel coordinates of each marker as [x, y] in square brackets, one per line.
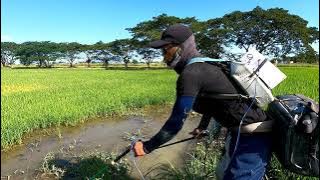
[138, 149]
[199, 133]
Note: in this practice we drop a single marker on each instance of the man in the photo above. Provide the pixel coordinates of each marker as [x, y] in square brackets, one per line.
[196, 84]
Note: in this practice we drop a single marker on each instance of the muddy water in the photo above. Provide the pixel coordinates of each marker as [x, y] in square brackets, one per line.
[102, 134]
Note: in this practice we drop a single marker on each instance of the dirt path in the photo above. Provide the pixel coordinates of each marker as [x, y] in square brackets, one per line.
[103, 134]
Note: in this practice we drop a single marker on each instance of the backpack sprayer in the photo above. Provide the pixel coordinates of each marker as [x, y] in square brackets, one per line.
[256, 76]
[296, 128]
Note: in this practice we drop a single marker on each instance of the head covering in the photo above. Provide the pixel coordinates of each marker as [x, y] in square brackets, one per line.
[188, 51]
[175, 34]
[182, 36]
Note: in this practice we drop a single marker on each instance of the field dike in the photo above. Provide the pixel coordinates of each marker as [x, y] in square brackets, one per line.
[84, 150]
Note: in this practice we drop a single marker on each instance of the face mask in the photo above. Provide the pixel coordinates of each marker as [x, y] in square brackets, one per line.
[175, 59]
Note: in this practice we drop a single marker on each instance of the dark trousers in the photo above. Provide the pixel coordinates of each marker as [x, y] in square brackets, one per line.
[250, 159]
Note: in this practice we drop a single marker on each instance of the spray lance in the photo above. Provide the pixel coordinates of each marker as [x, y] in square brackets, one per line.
[203, 133]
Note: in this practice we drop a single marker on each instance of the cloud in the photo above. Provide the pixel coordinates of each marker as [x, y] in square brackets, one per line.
[6, 38]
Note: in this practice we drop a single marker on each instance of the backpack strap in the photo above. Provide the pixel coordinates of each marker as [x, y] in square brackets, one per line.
[204, 59]
[218, 96]
[228, 96]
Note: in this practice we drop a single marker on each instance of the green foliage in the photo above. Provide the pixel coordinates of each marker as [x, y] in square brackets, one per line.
[273, 31]
[43, 53]
[150, 30]
[308, 56]
[208, 42]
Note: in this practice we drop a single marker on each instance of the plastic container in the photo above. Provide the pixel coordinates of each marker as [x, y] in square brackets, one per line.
[253, 85]
[257, 76]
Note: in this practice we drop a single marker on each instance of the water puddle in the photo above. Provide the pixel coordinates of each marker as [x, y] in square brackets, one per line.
[110, 134]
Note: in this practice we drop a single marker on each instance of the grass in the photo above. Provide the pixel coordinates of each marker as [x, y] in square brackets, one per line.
[40, 98]
[94, 165]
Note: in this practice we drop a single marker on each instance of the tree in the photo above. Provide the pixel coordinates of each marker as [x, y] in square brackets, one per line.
[70, 51]
[135, 61]
[50, 53]
[103, 53]
[148, 31]
[8, 53]
[273, 31]
[123, 49]
[43, 53]
[148, 54]
[307, 56]
[208, 37]
[24, 53]
[212, 38]
[90, 52]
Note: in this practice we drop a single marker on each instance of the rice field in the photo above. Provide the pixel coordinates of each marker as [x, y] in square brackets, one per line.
[300, 80]
[39, 98]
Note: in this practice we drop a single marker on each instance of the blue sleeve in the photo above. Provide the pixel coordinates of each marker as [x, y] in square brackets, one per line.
[173, 125]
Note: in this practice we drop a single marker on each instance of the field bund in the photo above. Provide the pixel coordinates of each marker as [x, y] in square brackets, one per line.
[40, 98]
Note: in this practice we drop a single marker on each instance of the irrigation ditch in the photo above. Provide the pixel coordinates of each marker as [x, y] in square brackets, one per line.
[68, 148]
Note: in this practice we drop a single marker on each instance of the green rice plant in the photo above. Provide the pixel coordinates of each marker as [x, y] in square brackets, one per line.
[40, 98]
[300, 80]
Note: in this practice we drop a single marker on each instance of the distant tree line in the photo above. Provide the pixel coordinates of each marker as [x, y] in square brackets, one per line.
[273, 32]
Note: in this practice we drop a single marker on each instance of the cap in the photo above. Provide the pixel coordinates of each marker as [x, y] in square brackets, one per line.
[176, 34]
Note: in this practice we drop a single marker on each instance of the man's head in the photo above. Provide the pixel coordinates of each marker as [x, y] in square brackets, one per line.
[175, 34]
[177, 44]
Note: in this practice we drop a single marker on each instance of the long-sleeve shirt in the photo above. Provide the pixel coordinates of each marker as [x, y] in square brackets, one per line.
[193, 89]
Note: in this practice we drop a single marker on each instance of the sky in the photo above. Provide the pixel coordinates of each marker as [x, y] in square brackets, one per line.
[90, 21]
